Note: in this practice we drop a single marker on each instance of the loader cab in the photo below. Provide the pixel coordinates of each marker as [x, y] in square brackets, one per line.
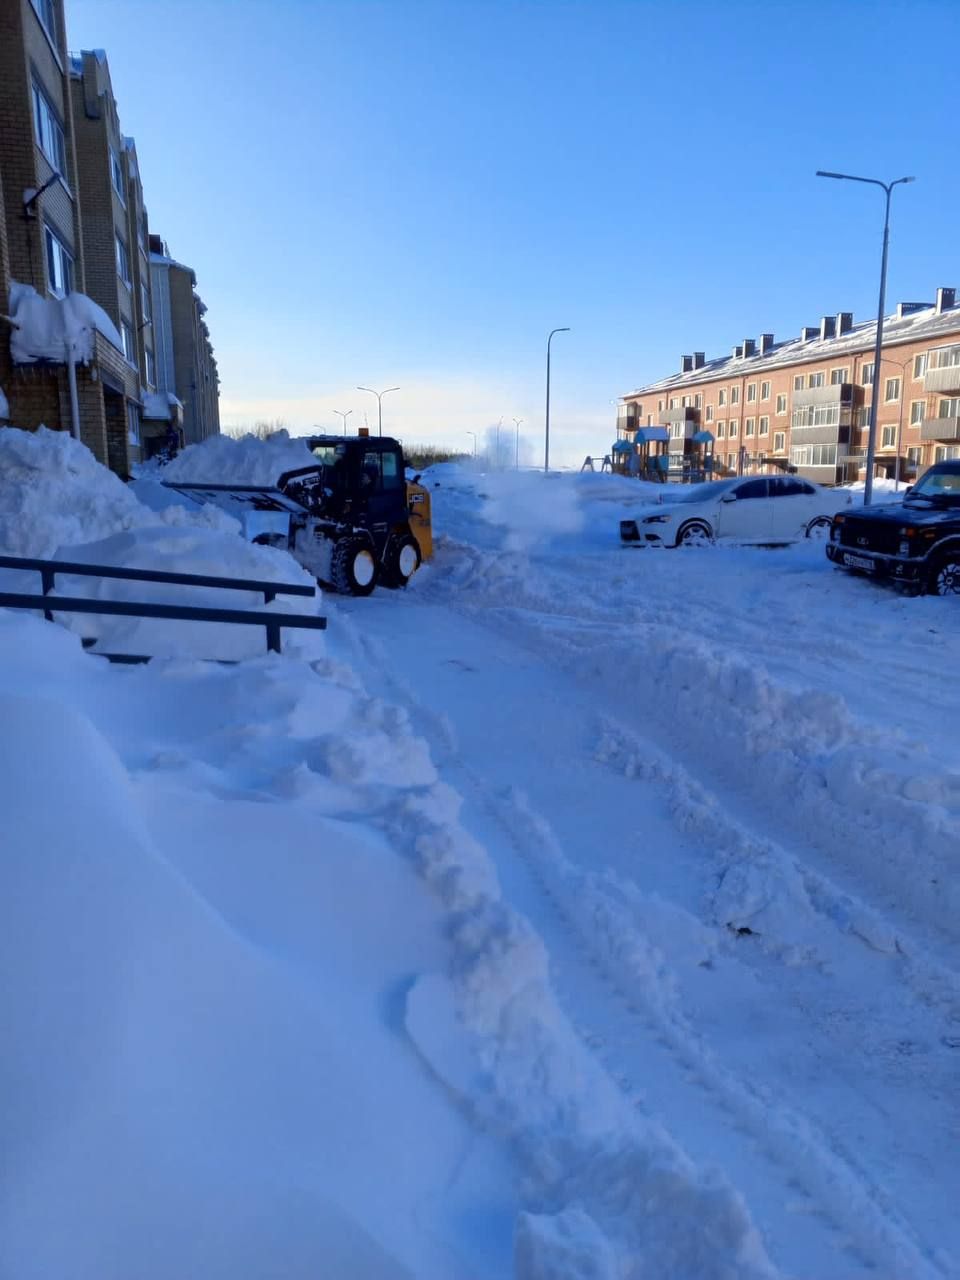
[369, 472]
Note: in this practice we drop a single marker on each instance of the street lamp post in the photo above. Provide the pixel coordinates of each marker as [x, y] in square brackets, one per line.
[872, 433]
[379, 395]
[516, 423]
[546, 432]
[343, 415]
[474, 434]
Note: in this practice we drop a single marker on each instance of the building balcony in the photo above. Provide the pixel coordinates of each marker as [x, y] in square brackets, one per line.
[942, 430]
[837, 433]
[947, 379]
[687, 415]
[842, 393]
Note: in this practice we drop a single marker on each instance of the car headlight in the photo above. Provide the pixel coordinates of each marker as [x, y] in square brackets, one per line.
[655, 520]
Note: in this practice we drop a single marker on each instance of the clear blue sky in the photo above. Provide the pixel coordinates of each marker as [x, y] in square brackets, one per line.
[416, 193]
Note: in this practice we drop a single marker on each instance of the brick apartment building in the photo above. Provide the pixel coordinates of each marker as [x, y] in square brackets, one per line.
[804, 403]
[187, 370]
[74, 249]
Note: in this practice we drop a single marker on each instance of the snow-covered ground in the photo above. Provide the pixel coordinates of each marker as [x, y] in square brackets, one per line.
[577, 912]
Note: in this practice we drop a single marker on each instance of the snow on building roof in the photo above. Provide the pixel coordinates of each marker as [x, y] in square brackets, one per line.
[913, 326]
[45, 328]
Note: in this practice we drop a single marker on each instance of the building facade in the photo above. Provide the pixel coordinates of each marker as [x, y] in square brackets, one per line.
[186, 367]
[803, 404]
[78, 346]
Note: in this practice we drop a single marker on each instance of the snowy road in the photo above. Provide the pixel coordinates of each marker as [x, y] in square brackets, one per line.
[743, 978]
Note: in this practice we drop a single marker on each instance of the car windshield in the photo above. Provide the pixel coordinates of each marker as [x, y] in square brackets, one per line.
[943, 485]
[702, 492]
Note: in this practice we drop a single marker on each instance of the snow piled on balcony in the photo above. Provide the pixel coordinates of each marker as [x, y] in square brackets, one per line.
[47, 328]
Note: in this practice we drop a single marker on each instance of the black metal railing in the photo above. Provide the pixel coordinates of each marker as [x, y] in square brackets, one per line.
[48, 604]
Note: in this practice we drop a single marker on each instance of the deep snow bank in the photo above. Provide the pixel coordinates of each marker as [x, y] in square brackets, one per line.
[224, 460]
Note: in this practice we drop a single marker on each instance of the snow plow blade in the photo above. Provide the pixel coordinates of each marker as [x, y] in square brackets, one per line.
[230, 497]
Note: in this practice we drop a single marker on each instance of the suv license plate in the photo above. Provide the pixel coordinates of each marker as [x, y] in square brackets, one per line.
[858, 562]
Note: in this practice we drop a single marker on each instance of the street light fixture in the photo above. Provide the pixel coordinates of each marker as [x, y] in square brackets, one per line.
[379, 395]
[872, 433]
[516, 423]
[343, 415]
[546, 432]
[474, 434]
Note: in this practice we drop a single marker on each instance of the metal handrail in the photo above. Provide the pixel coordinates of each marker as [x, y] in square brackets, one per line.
[272, 622]
[48, 570]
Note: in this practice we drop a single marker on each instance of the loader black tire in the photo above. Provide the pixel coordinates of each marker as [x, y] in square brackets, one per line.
[401, 561]
[353, 567]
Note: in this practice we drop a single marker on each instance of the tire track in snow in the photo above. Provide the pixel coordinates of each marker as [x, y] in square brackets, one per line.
[819, 1184]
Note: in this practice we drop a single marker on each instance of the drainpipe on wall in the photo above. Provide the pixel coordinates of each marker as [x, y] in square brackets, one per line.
[72, 380]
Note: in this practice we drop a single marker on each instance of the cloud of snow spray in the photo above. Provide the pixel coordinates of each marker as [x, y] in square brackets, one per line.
[530, 507]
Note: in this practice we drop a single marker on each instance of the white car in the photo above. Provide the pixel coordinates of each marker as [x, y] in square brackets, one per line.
[759, 509]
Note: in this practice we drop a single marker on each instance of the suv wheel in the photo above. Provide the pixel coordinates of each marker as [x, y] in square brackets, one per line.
[353, 567]
[945, 577]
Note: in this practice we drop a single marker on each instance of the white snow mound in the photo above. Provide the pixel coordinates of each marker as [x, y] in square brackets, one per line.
[223, 460]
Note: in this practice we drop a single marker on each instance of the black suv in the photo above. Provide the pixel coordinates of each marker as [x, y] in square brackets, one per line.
[916, 542]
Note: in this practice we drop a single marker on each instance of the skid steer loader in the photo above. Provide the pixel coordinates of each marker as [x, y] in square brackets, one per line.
[351, 519]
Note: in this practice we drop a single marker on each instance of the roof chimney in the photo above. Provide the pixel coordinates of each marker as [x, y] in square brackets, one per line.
[908, 308]
[827, 327]
[809, 331]
[844, 322]
[749, 347]
[737, 352]
[766, 343]
[946, 298]
[686, 364]
[699, 359]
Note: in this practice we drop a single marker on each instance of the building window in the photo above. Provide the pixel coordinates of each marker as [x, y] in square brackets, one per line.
[721, 430]
[920, 364]
[59, 265]
[838, 377]
[816, 415]
[734, 427]
[151, 368]
[749, 426]
[116, 174]
[764, 426]
[764, 390]
[47, 13]
[817, 379]
[798, 382]
[917, 410]
[949, 408]
[722, 397]
[142, 230]
[133, 423]
[946, 358]
[892, 390]
[751, 392]
[145, 306]
[734, 395]
[946, 453]
[914, 454]
[888, 437]
[129, 342]
[673, 402]
[698, 401]
[123, 261]
[637, 407]
[781, 404]
[709, 412]
[867, 375]
[659, 406]
[779, 441]
[814, 455]
[49, 130]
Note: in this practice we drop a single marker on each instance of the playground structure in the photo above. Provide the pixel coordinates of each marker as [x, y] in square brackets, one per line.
[646, 454]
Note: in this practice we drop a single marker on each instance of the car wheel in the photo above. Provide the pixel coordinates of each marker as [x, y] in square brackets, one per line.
[401, 562]
[695, 534]
[945, 576]
[353, 567]
[819, 528]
